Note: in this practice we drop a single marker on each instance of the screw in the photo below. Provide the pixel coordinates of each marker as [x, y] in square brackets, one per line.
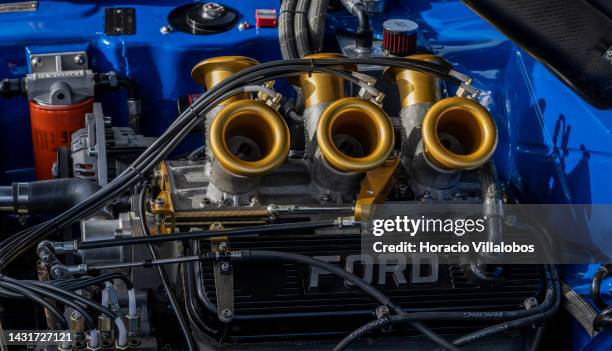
[427, 195]
[160, 201]
[227, 313]
[254, 201]
[36, 61]
[530, 303]
[608, 55]
[225, 267]
[165, 29]
[223, 246]
[382, 312]
[325, 197]
[44, 257]
[244, 26]
[216, 226]
[79, 59]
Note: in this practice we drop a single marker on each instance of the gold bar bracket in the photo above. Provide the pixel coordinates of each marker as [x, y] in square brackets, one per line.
[375, 187]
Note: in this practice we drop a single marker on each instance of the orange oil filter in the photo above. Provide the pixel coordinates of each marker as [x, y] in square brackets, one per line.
[52, 127]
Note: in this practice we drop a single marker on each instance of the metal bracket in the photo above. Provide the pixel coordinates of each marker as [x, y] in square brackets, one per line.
[465, 88]
[375, 187]
[224, 278]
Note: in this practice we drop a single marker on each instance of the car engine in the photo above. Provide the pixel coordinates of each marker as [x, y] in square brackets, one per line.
[203, 176]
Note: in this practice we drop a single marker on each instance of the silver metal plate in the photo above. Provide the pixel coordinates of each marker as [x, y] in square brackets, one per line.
[23, 6]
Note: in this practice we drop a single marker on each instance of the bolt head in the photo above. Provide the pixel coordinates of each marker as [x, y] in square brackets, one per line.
[36, 61]
[244, 26]
[79, 59]
[382, 311]
[212, 10]
[165, 29]
[227, 313]
[225, 267]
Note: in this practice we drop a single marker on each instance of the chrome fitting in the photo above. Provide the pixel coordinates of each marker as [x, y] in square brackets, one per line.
[105, 325]
[133, 324]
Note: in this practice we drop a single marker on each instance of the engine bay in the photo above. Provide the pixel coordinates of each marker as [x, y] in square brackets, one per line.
[200, 176]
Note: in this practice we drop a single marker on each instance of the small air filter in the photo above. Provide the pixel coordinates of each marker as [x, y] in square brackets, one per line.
[399, 37]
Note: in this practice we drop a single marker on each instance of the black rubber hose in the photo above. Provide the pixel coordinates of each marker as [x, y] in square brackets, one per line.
[363, 34]
[286, 35]
[47, 196]
[604, 319]
[316, 24]
[301, 28]
[39, 300]
[598, 278]
[162, 273]
[355, 280]
[112, 81]
[12, 87]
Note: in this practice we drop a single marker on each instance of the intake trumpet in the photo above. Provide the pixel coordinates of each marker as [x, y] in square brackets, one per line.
[346, 136]
[440, 136]
[245, 138]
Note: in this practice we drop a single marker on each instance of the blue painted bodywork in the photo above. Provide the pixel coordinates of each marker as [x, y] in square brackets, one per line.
[160, 63]
[553, 146]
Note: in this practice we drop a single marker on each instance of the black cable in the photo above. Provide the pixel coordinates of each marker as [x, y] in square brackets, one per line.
[601, 274]
[20, 242]
[298, 258]
[38, 299]
[355, 280]
[76, 297]
[243, 231]
[57, 296]
[190, 308]
[17, 244]
[552, 298]
[162, 273]
[537, 338]
[75, 284]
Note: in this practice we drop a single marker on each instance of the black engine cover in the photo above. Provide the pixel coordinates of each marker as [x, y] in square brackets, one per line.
[287, 301]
